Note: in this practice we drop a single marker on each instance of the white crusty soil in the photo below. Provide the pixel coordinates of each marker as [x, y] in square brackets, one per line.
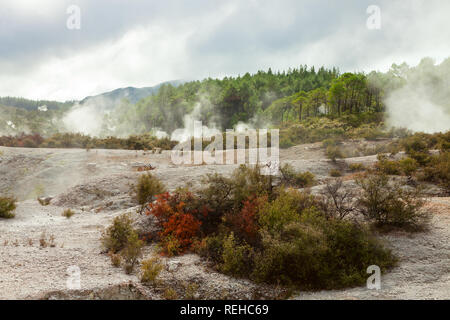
[96, 186]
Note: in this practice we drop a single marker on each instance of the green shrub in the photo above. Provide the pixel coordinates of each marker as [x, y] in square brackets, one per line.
[191, 290]
[408, 166]
[438, 170]
[116, 236]
[116, 259]
[292, 257]
[44, 201]
[131, 252]
[297, 179]
[344, 267]
[335, 173]
[416, 143]
[390, 205]
[7, 207]
[333, 153]
[236, 257]
[330, 142]
[121, 238]
[249, 182]
[170, 294]
[68, 213]
[333, 129]
[280, 212]
[211, 248]
[171, 246]
[423, 158]
[286, 141]
[316, 253]
[151, 268]
[444, 146]
[354, 167]
[386, 166]
[371, 133]
[146, 188]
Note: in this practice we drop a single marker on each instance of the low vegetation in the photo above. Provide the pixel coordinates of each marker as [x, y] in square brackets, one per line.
[335, 173]
[336, 201]
[77, 140]
[437, 170]
[43, 201]
[120, 238]
[47, 241]
[333, 153]
[131, 252]
[250, 229]
[247, 227]
[7, 207]
[116, 259]
[355, 167]
[427, 159]
[68, 213]
[293, 178]
[151, 268]
[389, 205]
[331, 130]
[170, 294]
[147, 187]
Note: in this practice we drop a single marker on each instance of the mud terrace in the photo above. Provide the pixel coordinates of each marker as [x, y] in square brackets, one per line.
[96, 185]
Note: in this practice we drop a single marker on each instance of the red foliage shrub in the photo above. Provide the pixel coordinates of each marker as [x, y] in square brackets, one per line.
[179, 223]
[245, 223]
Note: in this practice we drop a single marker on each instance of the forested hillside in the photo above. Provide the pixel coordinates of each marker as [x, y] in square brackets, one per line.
[15, 120]
[223, 102]
[295, 100]
[286, 97]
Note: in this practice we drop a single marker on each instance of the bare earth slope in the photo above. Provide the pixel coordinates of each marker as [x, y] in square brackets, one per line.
[96, 185]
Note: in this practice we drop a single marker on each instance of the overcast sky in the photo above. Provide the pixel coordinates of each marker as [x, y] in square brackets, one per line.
[144, 42]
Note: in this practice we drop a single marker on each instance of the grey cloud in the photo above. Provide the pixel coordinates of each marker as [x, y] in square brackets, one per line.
[209, 38]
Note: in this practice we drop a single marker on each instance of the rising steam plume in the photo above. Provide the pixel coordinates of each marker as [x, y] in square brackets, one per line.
[422, 102]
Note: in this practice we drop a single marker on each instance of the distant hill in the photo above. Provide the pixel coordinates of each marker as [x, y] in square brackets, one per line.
[131, 93]
[30, 105]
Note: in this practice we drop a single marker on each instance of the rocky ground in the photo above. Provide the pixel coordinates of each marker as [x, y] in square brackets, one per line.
[96, 185]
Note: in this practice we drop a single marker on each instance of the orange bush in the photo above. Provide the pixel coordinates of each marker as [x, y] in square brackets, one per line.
[179, 225]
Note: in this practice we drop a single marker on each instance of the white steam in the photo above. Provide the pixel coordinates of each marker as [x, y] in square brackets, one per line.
[160, 134]
[86, 119]
[91, 117]
[422, 103]
[186, 133]
[412, 109]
